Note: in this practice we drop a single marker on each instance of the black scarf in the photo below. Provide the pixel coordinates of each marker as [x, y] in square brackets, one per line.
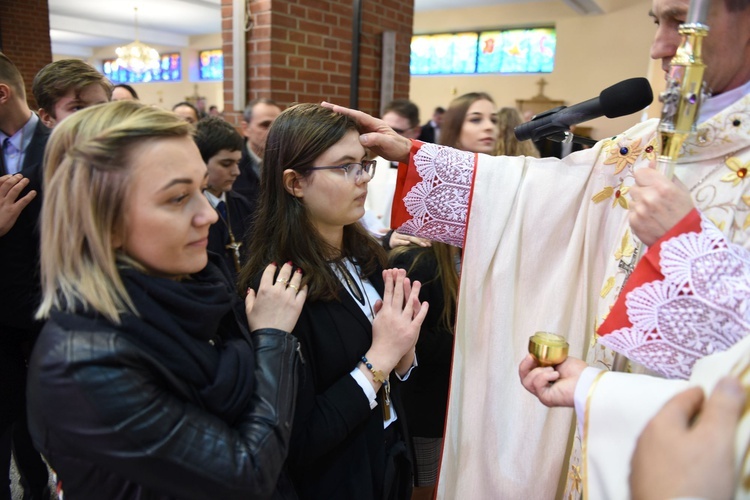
[197, 329]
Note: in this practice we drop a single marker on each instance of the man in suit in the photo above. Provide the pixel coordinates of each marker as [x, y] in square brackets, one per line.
[431, 130]
[23, 137]
[221, 149]
[257, 119]
[60, 88]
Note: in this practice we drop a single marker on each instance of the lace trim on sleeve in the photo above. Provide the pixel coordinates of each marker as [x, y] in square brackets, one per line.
[701, 306]
[439, 203]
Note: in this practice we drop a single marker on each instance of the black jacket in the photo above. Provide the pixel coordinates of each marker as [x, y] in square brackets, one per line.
[116, 422]
[248, 183]
[338, 449]
[19, 252]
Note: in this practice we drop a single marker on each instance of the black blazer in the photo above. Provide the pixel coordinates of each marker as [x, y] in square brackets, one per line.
[427, 133]
[337, 449]
[218, 235]
[248, 183]
[19, 250]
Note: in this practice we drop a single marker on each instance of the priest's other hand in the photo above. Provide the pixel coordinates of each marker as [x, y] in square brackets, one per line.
[552, 386]
[679, 456]
[376, 135]
[656, 204]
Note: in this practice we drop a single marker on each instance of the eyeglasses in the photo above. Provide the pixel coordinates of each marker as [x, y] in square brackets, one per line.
[353, 171]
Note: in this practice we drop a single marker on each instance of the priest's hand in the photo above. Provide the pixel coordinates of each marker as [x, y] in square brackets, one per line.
[656, 204]
[376, 135]
[681, 456]
[553, 386]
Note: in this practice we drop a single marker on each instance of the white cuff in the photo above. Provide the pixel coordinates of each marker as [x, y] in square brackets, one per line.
[366, 386]
[582, 393]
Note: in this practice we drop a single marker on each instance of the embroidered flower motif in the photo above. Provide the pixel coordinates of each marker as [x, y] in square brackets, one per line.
[738, 169]
[650, 151]
[608, 286]
[626, 249]
[618, 192]
[624, 156]
[719, 224]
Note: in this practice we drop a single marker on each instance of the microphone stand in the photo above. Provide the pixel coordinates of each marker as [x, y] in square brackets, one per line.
[567, 137]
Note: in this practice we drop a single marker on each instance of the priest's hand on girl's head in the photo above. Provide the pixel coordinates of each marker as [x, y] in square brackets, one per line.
[656, 204]
[376, 135]
[552, 386]
[278, 302]
[681, 456]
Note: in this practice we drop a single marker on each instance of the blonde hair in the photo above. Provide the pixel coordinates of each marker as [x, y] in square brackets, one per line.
[507, 144]
[86, 178]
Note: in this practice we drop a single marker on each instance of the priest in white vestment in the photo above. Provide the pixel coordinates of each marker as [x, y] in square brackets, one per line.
[547, 246]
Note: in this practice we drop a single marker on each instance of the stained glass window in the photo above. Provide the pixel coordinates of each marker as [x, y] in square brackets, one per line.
[211, 64]
[499, 51]
[169, 70]
[443, 54]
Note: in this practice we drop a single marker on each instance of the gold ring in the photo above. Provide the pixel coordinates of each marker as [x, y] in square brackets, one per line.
[293, 286]
[282, 280]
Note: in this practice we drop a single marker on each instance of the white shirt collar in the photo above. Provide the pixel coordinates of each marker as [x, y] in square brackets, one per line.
[714, 104]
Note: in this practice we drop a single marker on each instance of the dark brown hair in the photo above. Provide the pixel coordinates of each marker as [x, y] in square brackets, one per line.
[282, 230]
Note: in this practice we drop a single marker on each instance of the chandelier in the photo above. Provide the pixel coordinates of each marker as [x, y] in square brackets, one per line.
[136, 56]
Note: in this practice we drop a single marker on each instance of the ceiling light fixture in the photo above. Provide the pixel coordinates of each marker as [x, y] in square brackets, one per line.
[137, 57]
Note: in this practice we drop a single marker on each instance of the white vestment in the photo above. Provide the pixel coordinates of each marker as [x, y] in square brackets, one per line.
[626, 402]
[545, 243]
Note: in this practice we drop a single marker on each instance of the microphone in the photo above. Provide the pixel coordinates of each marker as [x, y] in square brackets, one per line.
[624, 98]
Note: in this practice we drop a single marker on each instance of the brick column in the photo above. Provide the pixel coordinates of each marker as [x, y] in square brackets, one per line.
[24, 38]
[301, 51]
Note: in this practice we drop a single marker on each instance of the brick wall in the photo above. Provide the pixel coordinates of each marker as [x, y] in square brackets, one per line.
[24, 37]
[301, 51]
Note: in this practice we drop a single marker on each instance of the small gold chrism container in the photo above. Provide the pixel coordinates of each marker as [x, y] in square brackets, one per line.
[548, 349]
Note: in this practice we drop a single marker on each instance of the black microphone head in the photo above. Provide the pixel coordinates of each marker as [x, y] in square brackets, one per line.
[625, 98]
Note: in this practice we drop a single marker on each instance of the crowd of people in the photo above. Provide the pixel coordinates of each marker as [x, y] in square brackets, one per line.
[189, 310]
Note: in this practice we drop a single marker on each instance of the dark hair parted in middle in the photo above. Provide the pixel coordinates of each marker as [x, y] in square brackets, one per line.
[282, 228]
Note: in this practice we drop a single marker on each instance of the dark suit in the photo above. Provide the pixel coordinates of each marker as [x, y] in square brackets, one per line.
[248, 183]
[427, 133]
[239, 218]
[337, 449]
[19, 296]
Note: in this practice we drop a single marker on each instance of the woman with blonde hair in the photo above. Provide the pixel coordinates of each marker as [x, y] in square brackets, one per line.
[359, 325]
[507, 144]
[150, 379]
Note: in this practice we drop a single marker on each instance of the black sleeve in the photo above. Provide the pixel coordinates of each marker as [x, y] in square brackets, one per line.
[95, 395]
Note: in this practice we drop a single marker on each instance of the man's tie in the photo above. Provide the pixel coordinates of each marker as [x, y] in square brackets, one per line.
[222, 208]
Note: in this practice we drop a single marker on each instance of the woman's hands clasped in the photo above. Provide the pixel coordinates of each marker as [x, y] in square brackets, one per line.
[398, 320]
[278, 302]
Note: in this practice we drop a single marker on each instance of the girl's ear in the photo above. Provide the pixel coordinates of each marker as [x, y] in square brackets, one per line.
[293, 183]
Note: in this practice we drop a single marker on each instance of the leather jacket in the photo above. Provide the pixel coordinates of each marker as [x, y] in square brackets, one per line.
[115, 423]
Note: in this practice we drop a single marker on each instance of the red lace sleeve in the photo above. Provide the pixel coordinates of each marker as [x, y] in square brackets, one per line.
[688, 297]
[433, 193]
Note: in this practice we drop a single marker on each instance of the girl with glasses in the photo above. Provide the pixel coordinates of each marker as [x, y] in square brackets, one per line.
[360, 324]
